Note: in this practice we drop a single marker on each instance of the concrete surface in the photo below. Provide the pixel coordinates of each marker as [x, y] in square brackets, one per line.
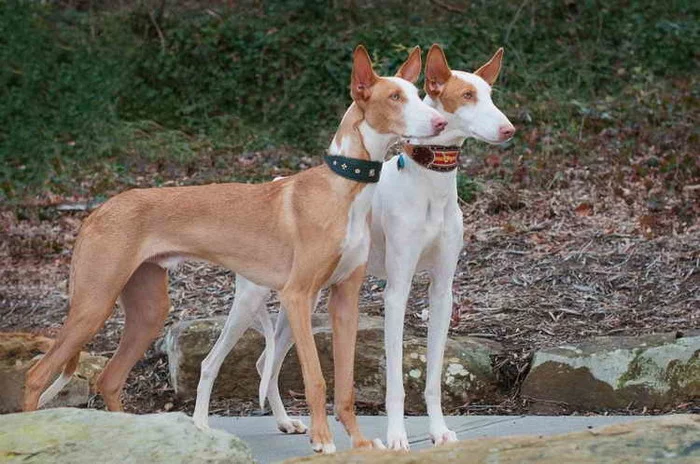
[269, 445]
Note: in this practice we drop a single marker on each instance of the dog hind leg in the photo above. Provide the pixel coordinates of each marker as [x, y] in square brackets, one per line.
[60, 382]
[90, 307]
[283, 343]
[145, 302]
[249, 298]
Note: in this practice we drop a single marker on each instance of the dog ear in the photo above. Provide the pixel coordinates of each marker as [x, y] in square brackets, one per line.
[363, 76]
[410, 70]
[437, 71]
[489, 72]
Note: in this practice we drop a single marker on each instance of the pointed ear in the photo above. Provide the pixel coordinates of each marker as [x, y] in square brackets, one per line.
[489, 71]
[363, 76]
[410, 70]
[437, 71]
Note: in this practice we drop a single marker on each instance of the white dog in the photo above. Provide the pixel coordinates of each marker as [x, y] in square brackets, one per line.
[416, 226]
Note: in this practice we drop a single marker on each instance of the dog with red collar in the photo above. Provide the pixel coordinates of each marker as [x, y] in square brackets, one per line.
[416, 226]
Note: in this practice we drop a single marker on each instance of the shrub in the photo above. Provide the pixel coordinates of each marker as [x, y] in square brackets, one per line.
[82, 86]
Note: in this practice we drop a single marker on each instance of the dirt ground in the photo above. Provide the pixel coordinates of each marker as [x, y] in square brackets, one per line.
[540, 267]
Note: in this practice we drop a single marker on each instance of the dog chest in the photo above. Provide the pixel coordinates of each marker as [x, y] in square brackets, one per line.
[355, 247]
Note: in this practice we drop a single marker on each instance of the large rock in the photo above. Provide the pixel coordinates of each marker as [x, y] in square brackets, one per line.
[80, 436]
[616, 372]
[659, 440]
[19, 352]
[467, 374]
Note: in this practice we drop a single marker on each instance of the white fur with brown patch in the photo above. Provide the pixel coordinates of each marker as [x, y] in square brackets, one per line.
[481, 120]
[416, 226]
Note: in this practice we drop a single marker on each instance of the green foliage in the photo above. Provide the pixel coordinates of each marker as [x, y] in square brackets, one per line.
[79, 87]
[57, 91]
[467, 188]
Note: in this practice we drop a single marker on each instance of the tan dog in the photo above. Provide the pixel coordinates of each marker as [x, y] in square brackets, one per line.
[295, 235]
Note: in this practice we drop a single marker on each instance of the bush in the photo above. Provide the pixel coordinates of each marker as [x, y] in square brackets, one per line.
[83, 86]
[467, 188]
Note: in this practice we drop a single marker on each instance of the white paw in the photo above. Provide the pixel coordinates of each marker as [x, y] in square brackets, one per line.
[291, 426]
[397, 441]
[377, 444]
[444, 436]
[323, 448]
[201, 424]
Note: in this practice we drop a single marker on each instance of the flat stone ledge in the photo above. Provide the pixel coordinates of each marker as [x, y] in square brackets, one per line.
[671, 439]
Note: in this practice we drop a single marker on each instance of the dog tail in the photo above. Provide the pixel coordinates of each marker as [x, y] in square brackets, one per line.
[269, 354]
[61, 381]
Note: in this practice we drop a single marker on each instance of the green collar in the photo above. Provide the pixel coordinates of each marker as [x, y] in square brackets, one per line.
[354, 169]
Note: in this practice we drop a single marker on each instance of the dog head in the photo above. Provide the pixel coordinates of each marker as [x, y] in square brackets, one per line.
[391, 105]
[465, 98]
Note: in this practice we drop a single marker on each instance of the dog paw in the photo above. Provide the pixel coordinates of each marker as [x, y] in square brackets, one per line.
[291, 426]
[323, 448]
[445, 436]
[377, 444]
[397, 442]
[202, 425]
[363, 443]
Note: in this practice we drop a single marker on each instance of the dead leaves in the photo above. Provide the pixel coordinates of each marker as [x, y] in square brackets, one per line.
[584, 209]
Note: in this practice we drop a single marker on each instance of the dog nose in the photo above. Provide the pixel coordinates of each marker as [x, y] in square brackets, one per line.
[439, 124]
[506, 132]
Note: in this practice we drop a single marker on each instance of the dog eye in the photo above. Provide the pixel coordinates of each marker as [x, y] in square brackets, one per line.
[468, 95]
[395, 96]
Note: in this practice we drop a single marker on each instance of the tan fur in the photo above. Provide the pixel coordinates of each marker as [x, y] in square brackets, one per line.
[286, 235]
[437, 71]
[349, 132]
[385, 115]
[451, 91]
[457, 93]
[145, 302]
[387, 118]
[343, 298]
[490, 71]
[410, 70]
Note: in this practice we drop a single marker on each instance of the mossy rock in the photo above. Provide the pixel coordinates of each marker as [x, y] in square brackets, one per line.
[468, 373]
[653, 371]
[81, 436]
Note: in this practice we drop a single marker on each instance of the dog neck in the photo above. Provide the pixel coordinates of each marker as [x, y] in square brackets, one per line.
[355, 138]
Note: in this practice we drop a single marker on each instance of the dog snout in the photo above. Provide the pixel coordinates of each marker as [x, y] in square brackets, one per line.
[438, 123]
[506, 132]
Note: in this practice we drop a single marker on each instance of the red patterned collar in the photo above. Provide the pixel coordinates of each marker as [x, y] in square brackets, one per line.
[434, 157]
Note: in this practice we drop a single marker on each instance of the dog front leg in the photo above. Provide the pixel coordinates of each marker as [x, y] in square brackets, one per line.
[298, 305]
[440, 295]
[400, 266]
[344, 313]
